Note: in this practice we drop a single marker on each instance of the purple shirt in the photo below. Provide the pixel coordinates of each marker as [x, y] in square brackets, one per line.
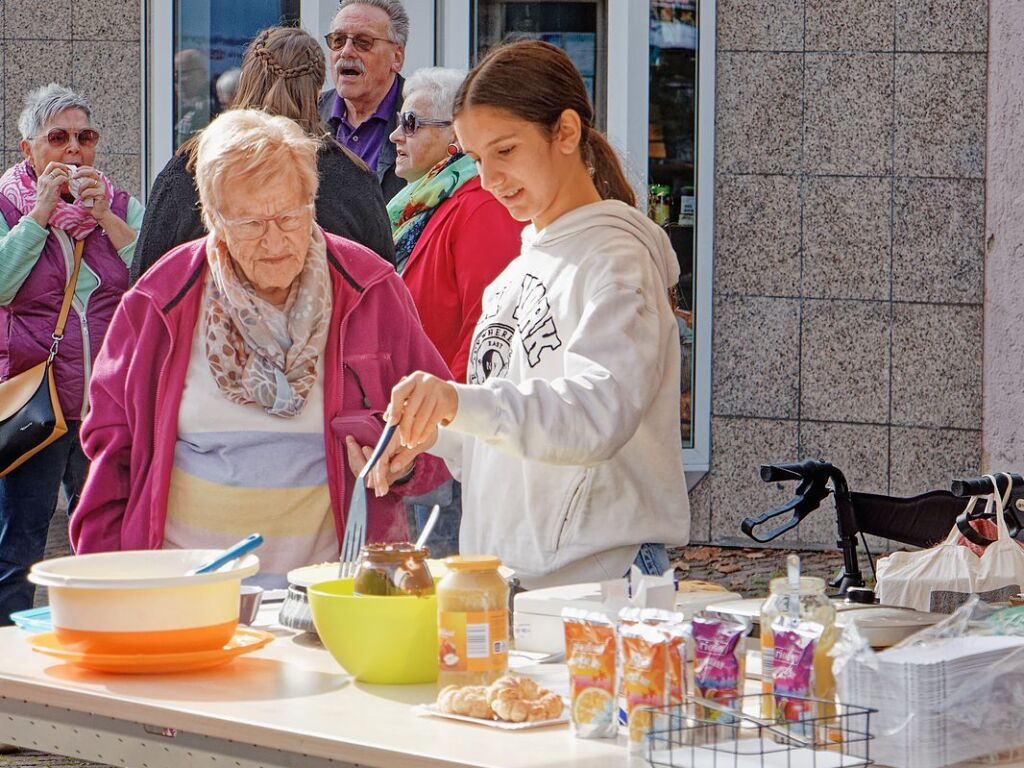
[368, 139]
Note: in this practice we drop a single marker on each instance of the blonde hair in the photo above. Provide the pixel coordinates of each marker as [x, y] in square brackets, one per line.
[251, 147]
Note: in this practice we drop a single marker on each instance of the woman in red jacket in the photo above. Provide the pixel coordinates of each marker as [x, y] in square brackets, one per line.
[452, 239]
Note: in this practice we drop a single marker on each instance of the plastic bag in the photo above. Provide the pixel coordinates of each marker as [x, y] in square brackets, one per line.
[952, 692]
[941, 578]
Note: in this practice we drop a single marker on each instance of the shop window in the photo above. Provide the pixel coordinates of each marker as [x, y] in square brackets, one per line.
[209, 39]
[578, 28]
[671, 165]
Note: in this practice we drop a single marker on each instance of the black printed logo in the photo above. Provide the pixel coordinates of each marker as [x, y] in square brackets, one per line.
[537, 329]
[490, 353]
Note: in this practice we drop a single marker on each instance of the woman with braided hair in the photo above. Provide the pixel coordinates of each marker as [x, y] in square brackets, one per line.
[282, 72]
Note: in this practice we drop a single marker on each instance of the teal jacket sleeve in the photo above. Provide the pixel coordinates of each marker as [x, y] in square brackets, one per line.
[20, 247]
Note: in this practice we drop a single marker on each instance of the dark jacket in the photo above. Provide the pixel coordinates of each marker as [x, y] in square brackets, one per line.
[349, 204]
[389, 182]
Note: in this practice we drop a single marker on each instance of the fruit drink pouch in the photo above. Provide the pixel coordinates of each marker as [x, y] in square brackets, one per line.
[644, 681]
[717, 663]
[793, 668]
[677, 630]
[590, 655]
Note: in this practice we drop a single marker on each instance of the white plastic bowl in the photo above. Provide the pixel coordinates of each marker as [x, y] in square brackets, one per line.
[142, 601]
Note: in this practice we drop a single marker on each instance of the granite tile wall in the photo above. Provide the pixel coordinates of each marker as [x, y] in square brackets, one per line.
[849, 224]
[93, 48]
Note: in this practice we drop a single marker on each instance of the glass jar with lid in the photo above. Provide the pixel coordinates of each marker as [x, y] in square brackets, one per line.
[393, 569]
[803, 600]
[472, 621]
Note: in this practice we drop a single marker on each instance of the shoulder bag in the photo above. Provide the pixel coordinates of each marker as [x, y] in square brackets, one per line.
[30, 414]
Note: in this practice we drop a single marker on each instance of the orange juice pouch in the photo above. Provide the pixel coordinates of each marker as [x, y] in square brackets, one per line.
[645, 682]
[676, 630]
[718, 665]
[590, 655]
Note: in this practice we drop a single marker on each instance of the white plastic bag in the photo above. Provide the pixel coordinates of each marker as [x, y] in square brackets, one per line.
[941, 578]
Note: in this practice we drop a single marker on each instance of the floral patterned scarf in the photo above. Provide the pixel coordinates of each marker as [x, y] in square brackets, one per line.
[259, 353]
[18, 184]
[412, 207]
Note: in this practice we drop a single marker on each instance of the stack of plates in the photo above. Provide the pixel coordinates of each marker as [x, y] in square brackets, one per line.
[939, 704]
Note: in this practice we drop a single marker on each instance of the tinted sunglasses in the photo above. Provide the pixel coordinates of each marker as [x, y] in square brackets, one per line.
[410, 122]
[58, 138]
[362, 43]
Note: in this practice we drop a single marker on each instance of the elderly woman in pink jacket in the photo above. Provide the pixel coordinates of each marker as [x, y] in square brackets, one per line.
[243, 377]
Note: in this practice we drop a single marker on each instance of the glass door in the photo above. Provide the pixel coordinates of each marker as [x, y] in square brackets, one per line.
[671, 159]
[578, 28]
[210, 37]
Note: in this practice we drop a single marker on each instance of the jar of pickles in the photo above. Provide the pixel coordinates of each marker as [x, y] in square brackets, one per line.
[393, 569]
[472, 621]
[797, 633]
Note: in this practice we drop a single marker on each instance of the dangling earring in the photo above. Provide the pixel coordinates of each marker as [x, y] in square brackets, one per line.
[454, 149]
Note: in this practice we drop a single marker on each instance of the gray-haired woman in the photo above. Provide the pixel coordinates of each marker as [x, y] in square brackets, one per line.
[40, 223]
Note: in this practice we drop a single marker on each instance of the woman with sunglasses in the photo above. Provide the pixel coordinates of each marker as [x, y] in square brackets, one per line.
[50, 201]
[238, 366]
[567, 432]
[452, 238]
[282, 71]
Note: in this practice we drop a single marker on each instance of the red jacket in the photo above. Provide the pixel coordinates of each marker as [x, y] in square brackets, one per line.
[467, 243]
[375, 338]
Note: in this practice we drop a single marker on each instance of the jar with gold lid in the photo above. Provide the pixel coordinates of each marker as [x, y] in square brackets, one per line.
[472, 621]
[398, 568]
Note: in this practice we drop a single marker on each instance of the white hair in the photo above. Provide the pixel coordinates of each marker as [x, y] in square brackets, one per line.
[441, 84]
[398, 31]
[45, 103]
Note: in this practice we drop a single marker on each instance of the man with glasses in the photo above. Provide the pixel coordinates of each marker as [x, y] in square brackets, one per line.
[367, 42]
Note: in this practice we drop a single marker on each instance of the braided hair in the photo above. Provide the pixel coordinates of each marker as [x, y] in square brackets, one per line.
[282, 72]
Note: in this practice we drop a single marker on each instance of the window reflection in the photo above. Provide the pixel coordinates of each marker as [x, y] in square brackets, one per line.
[578, 28]
[210, 37]
[671, 163]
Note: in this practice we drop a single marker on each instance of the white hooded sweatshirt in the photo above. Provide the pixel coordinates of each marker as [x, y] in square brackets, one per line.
[567, 435]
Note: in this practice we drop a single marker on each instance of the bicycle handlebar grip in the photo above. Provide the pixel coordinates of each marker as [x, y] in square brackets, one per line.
[799, 470]
[977, 486]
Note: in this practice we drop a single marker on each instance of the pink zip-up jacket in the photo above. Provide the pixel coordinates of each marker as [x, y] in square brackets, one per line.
[375, 338]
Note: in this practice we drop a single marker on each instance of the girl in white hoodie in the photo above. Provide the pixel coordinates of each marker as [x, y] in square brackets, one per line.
[566, 435]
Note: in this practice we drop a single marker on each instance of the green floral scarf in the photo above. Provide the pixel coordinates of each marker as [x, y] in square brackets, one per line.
[411, 208]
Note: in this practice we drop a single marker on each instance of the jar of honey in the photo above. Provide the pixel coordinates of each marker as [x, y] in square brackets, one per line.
[393, 569]
[472, 621]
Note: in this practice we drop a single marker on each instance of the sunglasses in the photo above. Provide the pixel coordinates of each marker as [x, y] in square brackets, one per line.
[58, 138]
[410, 122]
[362, 43]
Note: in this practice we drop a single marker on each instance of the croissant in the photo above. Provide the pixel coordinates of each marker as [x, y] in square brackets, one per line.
[466, 700]
[521, 700]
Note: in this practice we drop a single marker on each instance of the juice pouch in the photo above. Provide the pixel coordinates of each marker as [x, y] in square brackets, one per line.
[677, 634]
[590, 655]
[717, 663]
[793, 668]
[644, 681]
[677, 630]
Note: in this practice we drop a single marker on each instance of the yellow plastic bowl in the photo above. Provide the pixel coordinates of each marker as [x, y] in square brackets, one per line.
[388, 640]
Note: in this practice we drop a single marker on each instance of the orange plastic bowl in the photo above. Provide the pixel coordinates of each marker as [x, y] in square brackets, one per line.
[142, 601]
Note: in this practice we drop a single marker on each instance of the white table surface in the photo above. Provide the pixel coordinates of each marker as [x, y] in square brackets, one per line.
[285, 704]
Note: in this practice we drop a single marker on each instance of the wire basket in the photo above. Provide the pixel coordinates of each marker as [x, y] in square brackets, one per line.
[689, 735]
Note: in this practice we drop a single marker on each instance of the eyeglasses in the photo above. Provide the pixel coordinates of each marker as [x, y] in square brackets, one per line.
[251, 229]
[363, 43]
[410, 122]
[58, 138]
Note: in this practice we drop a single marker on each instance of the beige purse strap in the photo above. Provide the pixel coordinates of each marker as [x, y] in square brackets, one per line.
[65, 307]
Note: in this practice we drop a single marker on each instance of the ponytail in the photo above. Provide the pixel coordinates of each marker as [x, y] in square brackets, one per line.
[609, 178]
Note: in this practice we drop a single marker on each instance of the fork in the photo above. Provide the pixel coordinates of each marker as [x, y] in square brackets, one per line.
[355, 525]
